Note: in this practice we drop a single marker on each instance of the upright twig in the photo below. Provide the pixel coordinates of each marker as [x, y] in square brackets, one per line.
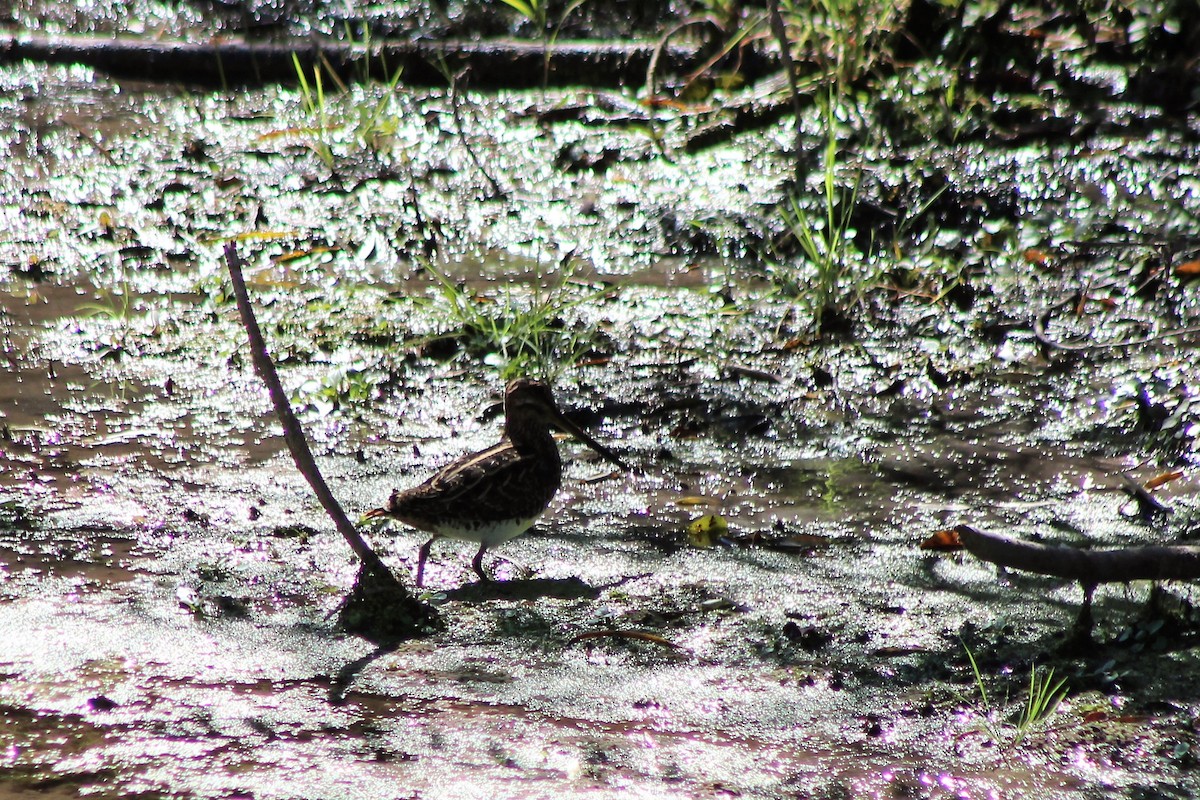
[779, 29]
[292, 432]
[498, 192]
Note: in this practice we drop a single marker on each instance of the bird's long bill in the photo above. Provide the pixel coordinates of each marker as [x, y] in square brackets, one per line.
[570, 427]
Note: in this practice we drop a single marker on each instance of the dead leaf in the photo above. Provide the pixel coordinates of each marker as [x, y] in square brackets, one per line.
[1159, 480]
[1188, 269]
[1034, 256]
[943, 540]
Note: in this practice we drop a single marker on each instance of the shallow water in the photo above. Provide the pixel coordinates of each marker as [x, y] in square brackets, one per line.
[168, 585]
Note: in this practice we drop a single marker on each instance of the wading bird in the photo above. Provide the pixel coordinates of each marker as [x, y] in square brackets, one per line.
[496, 494]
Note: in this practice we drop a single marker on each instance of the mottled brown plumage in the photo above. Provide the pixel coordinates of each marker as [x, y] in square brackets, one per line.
[494, 495]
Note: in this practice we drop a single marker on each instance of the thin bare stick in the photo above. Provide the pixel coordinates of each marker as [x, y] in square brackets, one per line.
[459, 128]
[293, 434]
[1039, 333]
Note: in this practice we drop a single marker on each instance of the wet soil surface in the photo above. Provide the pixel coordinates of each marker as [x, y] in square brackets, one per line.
[169, 587]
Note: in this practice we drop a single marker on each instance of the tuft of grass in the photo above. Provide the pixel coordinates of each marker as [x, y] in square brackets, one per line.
[1043, 697]
[312, 96]
[837, 277]
[532, 10]
[844, 38]
[522, 330]
[115, 308]
[365, 116]
[538, 15]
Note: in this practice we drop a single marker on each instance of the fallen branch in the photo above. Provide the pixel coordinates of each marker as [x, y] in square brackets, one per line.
[1089, 567]
[224, 62]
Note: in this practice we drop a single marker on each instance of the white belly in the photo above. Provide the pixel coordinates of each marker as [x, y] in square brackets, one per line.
[488, 534]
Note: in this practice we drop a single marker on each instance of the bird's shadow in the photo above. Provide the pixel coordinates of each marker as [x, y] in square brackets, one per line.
[532, 589]
[479, 592]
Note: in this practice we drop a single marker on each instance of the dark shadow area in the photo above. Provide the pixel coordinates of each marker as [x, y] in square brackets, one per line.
[533, 589]
[383, 612]
[340, 686]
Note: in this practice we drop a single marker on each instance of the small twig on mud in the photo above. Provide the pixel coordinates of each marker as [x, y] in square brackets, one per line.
[641, 636]
[1148, 505]
[430, 234]
[93, 141]
[292, 432]
[742, 371]
[652, 67]
[1039, 333]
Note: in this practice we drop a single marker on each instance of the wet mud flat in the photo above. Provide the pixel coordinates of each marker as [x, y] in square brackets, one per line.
[169, 588]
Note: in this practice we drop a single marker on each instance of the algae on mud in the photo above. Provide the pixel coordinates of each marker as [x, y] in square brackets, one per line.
[139, 471]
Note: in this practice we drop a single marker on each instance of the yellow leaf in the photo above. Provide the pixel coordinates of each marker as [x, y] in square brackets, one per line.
[705, 531]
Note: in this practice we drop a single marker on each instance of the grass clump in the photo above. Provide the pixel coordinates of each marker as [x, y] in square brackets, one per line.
[523, 329]
[1041, 702]
[340, 123]
[846, 39]
[817, 262]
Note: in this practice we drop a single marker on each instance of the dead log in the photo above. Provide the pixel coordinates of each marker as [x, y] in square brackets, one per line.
[1151, 563]
[1089, 567]
[222, 63]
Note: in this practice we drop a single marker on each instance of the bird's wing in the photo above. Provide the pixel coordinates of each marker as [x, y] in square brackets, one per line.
[497, 483]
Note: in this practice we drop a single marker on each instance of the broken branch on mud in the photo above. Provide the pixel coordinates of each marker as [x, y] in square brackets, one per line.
[226, 62]
[1150, 563]
[1089, 568]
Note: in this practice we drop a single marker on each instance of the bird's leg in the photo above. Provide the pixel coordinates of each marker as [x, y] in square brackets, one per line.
[423, 554]
[477, 564]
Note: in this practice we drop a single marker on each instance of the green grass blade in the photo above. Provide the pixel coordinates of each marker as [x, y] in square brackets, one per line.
[527, 9]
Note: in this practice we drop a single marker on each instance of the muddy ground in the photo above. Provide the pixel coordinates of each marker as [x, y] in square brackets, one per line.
[169, 586]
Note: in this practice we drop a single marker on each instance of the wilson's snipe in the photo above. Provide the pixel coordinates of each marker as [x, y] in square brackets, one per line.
[496, 494]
